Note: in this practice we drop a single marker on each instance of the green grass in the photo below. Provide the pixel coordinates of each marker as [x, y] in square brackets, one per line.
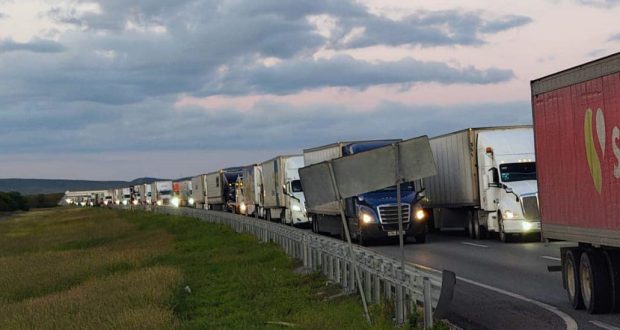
[97, 268]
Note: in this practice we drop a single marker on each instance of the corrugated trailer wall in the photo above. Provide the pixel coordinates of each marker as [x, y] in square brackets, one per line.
[453, 185]
[578, 196]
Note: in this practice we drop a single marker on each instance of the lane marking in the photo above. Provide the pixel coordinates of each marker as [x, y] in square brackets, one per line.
[571, 324]
[604, 325]
[551, 258]
[474, 244]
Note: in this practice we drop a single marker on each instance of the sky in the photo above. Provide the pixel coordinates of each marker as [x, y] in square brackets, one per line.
[120, 89]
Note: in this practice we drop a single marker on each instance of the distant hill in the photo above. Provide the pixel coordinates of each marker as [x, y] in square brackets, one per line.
[47, 186]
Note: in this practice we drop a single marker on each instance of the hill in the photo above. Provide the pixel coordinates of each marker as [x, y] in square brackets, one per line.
[47, 186]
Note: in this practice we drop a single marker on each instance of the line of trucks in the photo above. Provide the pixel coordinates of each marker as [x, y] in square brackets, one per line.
[559, 178]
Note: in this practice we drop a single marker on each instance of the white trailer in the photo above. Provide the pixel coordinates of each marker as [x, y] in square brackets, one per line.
[486, 182]
[283, 196]
[154, 196]
[199, 191]
[250, 200]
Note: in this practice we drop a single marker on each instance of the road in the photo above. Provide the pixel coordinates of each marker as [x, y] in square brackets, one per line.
[502, 285]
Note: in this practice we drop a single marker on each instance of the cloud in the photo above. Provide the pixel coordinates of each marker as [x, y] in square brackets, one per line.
[269, 126]
[35, 45]
[424, 28]
[345, 71]
[599, 3]
[615, 37]
[3, 15]
[505, 23]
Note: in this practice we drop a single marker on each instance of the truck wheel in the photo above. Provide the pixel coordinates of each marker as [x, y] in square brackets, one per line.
[570, 276]
[480, 231]
[595, 279]
[503, 236]
[470, 228]
[613, 262]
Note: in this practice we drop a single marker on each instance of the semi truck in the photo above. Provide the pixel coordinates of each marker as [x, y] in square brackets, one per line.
[126, 197]
[199, 191]
[138, 192]
[577, 132]
[163, 190]
[221, 193]
[250, 198]
[283, 197]
[373, 215]
[485, 182]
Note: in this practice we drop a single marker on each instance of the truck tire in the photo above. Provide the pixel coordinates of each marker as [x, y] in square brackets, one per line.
[470, 228]
[595, 279]
[479, 230]
[613, 262]
[570, 276]
[503, 236]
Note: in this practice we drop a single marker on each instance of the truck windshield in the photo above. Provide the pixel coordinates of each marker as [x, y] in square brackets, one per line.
[518, 171]
[296, 186]
[165, 192]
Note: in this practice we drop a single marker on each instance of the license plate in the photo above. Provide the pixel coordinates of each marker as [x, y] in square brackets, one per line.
[393, 233]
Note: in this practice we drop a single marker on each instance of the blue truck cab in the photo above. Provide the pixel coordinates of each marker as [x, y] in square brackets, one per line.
[372, 215]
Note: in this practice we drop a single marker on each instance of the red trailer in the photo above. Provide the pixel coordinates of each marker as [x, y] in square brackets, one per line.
[576, 125]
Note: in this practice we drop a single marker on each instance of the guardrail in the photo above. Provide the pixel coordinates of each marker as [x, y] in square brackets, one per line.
[381, 276]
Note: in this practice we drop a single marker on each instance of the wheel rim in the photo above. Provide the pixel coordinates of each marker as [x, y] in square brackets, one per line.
[586, 280]
[570, 278]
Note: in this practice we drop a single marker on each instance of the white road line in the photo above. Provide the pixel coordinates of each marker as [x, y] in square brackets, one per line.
[571, 324]
[476, 245]
[604, 325]
[551, 258]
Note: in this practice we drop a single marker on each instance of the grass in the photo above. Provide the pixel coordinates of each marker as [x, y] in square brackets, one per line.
[96, 268]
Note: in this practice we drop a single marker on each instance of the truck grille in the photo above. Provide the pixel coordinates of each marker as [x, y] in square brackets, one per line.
[389, 213]
[530, 208]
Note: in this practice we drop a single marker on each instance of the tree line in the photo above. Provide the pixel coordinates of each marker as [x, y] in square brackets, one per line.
[14, 201]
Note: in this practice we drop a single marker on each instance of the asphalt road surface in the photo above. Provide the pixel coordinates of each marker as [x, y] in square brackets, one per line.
[502, 285]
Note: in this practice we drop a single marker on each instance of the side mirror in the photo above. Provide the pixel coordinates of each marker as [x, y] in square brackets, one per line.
[422, 193]
[284, 190]
[509, 190]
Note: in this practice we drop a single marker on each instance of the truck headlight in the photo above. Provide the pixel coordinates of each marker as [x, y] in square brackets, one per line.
[135, 202]
[175, 202]
[420, 215]
[243, 208]
[508, 214]
[125, 202]
[159, 202]
[190, 201]
[296, 208]
[367, 218]
[526, 226]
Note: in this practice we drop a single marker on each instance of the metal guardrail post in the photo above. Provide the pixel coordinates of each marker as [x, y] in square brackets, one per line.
[428, 305]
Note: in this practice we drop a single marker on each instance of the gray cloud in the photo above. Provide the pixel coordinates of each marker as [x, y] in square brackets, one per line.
[345, 71]
[439, 28]
[35, 45]
[3, 15]
[505, 23]
[615, 37]
[108, 87]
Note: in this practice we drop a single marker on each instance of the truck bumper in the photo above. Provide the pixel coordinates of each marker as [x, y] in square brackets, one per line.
[521, 226]
[299, 218]
[382, 231]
